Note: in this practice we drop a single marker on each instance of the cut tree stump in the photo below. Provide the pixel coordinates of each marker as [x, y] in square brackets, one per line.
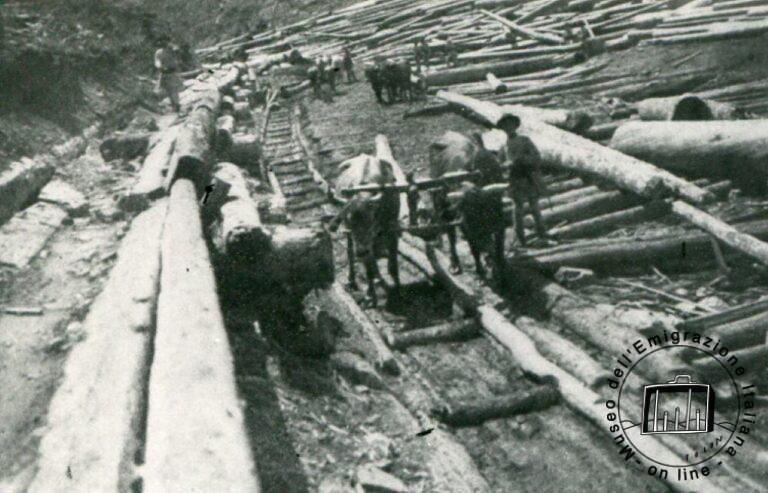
[193, 402]
[95, 420]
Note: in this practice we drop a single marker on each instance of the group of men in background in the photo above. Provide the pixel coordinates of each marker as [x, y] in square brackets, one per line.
[327, 70]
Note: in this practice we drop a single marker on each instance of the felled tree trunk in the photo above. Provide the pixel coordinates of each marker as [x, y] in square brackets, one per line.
[252, 257]
[149, 185]
[20, 184]
[732, 149]
[477, 412]
[685, 252]
[574, 153]
[472, 73]
[686, 107]
[742, 242]
[192, 391]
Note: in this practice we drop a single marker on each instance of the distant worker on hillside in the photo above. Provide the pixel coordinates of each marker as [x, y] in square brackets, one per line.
[525, 184]
[349, 66]
[167, 64]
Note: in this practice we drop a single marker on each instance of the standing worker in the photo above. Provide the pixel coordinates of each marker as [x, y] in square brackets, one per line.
[167, 65]
[525, 184]
[349, 66]
[451, 57]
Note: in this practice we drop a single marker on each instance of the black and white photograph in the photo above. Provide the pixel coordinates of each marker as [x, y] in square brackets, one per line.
[383, 246]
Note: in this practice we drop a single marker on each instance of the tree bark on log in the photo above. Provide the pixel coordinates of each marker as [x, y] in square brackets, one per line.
[684, 252]
[686, 107]
[742, 242]
[475, 413]
[21, 183]
[150, 184]
[574, 153]
[449, 331]
[737, 150]
[258, 258]
[472, 73]
[94, 421]
[193, 402]
[239, 233]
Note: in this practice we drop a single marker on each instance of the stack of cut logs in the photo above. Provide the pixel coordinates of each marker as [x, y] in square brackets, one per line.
[154, 375]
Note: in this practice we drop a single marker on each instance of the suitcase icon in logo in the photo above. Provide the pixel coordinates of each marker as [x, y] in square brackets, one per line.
[680, 406]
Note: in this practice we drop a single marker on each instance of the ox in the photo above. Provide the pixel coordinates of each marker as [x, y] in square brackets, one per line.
[483, 223]
[372, 220]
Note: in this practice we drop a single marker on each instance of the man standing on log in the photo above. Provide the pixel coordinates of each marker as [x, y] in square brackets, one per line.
[167, 65]
[349, 66]
[525, 184]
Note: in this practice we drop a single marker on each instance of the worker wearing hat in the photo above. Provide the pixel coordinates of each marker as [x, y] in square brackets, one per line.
[525, 185]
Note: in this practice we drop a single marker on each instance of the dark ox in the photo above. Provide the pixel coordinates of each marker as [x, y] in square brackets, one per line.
[483, 223]
[396, 79]
[372, 220]
[374, 77]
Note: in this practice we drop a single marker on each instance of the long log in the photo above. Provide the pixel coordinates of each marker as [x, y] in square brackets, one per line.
[608, 222]
[193, 402]
[542, 37]
[742, 242]
[477, 412]
[685, 107]
[734, 149]
[742, 333]
[472, 73]
[715, 32]
[574, 153]
[450, 331]
[684, 252]
[751, 359]
[21, 182]
[94, 427]
[729, 315]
